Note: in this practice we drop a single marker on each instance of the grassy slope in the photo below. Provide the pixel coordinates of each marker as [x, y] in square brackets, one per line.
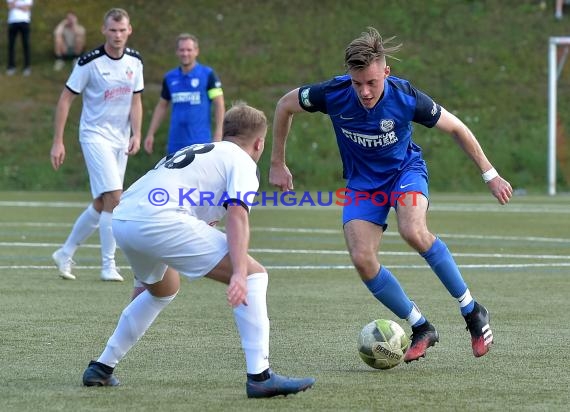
[483, 60]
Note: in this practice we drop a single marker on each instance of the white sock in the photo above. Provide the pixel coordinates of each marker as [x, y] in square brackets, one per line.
[465, 299]
[253, 324]
[108, 243]
[414, 315]
[84, 227]
[133, 323]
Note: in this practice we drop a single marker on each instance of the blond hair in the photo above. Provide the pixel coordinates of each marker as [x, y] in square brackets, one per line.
[243, 121]
[368, 48]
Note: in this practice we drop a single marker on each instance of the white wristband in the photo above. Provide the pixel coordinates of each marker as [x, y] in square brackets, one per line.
[489, 175]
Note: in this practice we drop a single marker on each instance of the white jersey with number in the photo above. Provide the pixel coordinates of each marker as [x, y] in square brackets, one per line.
[199, 180]
[107, 85]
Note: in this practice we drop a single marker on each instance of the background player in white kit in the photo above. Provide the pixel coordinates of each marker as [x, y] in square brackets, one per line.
[111, 81]
[164, 225]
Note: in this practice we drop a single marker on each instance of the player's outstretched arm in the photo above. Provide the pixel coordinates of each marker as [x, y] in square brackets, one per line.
[287, 106]
[499, 187]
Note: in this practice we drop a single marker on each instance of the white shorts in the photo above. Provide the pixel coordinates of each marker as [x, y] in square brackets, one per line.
[106, 167]
[190, 246]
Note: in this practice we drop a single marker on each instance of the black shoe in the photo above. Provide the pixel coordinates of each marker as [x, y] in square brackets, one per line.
[423, 336]
[95, 375]
[481, 333]
[277, 385]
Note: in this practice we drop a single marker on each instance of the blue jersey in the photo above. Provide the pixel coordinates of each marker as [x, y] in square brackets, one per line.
[190, 95]
[375, 144]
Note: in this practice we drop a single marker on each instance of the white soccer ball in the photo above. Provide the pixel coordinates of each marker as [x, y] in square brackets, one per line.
[382, 344]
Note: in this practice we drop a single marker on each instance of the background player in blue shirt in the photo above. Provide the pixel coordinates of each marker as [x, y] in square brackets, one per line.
[192, 88]
[372, 114]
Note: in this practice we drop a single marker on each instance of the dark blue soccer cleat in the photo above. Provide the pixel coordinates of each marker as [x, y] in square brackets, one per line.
[277, 385]
[96, 375]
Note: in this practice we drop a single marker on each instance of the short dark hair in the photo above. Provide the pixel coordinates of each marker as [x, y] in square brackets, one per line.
[186, 36]
[116, 14]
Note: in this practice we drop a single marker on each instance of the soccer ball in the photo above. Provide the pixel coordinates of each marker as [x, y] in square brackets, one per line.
[382, 344]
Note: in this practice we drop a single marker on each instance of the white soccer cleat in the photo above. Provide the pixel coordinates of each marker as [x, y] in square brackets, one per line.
[63, 263]
[111, 275]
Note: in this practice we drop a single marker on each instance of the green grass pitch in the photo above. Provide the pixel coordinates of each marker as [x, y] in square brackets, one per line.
[515, 260]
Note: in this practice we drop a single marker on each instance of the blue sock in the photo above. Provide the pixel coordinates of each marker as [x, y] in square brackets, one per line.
[468, 309]
[386, 288]
[442, 263]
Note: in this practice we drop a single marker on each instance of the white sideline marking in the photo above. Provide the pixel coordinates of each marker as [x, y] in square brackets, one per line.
[393, 253]
[7, 203]
[449, 207]
[476, 266]
[395, 234]
[327, 252]
[332, 232]
[322, 267]
[456, 207]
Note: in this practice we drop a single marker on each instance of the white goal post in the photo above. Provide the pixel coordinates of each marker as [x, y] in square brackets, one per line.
[555, 66]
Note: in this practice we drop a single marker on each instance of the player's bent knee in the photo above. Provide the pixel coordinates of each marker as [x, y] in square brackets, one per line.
[168, 286]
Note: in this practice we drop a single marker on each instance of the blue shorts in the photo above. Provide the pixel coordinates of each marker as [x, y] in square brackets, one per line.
[374, 205]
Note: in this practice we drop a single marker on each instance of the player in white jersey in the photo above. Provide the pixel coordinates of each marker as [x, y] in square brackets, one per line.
[110, 78]
[164, 225]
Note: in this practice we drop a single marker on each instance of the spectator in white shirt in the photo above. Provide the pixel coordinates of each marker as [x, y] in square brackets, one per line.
[19, 18]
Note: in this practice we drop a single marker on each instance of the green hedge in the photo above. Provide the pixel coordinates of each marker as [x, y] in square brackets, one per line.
[483, 60]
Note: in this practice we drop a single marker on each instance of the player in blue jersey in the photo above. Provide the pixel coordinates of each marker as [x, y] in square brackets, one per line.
[192, 88]
[372, 114]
